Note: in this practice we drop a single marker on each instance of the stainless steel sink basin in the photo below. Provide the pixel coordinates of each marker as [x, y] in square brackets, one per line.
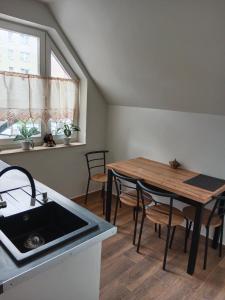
[32, 232]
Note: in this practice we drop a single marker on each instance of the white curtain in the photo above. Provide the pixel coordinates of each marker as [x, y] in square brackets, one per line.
[63, 99]
[26, 96]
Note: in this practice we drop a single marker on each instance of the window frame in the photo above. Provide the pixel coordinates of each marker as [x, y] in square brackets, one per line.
[51, 47]
[23, 29]
[46, 46]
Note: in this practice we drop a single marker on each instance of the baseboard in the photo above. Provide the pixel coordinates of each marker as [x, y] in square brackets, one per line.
[82, 197]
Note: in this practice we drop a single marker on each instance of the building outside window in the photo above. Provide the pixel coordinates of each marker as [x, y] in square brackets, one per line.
[24, 38]
[24, 56]
[24, 71]
[10, 54]
[10, 36]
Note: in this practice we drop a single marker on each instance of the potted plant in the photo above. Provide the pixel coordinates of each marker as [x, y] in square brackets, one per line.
[68, 129]
[26, 136]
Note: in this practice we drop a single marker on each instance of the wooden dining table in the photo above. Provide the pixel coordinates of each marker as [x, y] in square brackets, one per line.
[162, 176]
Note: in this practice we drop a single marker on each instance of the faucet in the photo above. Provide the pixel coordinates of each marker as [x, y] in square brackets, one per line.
[3, 203]
[33, 189]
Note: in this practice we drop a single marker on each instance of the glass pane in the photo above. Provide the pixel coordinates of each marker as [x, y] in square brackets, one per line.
[9, 131]
[19, 52]
[56, 125]
[57, 69]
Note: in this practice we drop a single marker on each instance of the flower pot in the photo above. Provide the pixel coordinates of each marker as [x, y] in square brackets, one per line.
[26, 145]
[67, 140]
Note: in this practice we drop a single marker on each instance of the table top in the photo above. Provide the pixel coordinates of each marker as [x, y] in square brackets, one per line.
[163, 176]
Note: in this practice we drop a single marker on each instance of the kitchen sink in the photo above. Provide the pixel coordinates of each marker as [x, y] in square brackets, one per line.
[35, 231]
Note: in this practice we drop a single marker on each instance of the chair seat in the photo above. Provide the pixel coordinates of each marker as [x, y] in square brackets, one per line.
[130, 198]
[159, 214]
[100, 177]
[189, 212]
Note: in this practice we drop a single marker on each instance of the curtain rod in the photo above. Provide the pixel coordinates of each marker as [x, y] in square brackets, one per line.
[36, 76]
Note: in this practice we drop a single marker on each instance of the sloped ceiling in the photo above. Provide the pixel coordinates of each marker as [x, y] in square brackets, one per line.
[151, 53]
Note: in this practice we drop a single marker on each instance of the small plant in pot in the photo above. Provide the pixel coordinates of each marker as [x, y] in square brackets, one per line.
[25, 136]
[68, 130]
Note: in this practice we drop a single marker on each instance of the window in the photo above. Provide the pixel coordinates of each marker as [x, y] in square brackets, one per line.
[10, 130]
[24, 56]
[57, 69]
[10, 36]
[24, 71]
[46, 96]
[24, 39]
[10, 54]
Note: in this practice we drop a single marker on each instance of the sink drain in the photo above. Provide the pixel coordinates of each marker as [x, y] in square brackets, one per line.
[34, 241]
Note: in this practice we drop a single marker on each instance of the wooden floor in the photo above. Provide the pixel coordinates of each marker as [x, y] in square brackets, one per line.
[128, 275]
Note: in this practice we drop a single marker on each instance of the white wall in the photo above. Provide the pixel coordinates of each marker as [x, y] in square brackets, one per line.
[196, 140]
[63, 169]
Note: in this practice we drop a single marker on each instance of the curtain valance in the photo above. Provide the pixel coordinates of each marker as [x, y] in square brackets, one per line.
[27, 96]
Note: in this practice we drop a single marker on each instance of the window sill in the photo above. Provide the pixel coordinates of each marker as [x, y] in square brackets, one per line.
[39, 148]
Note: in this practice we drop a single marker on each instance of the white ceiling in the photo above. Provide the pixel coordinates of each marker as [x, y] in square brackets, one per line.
[167, 54]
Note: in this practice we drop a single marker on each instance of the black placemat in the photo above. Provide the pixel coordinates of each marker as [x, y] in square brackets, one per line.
[206, 182]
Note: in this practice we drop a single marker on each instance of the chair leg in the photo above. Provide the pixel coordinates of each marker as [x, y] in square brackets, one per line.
[159, 232]
[186, 236]
[221, 238]
[172, 237]
[166, 247]
[206, 248]
[155, 227]
[189, 228]
[103, 206]
[117, 202]
[135, 226]
[140, 233]
[103, 198]
[103, 190]
[134, 213]
[86, 197]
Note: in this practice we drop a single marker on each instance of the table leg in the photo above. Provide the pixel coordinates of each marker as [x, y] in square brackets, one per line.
[195, 240]
[109, 196]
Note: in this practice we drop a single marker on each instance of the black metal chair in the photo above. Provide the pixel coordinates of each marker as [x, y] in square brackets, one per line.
[210, 219]
[97, 160]
[126, 193]
[159, 213]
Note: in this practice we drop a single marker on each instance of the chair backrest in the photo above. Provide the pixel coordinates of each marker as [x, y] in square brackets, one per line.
[150, 190]
[125, 184]
[96, 159]
[147, 192]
